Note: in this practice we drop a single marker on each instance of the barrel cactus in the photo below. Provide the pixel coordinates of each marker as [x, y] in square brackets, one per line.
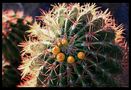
[73, 46]
[14, 25]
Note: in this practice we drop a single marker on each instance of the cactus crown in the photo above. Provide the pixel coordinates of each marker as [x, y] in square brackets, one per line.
[75, 45]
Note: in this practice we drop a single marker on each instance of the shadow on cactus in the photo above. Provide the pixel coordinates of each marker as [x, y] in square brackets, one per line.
[74, 46]
[14, 25]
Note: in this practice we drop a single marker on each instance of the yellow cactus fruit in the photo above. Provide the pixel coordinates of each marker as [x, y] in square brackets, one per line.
[70, 59]
[64, 41]
[60, 57]
[81, 55]
[55, 50]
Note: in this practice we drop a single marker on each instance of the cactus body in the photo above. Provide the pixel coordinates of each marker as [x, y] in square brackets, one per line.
[88, 39]
[14, 25]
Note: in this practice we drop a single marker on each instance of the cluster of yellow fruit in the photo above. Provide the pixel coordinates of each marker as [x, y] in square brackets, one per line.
[61, 56]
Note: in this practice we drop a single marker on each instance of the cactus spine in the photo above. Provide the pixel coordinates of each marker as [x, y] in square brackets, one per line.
[87, 48]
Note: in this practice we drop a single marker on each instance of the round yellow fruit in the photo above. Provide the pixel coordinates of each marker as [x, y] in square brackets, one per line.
[81, 55]
[70, 59]
[55, 50]
[64, 41]
[59, 43]
[60, 57]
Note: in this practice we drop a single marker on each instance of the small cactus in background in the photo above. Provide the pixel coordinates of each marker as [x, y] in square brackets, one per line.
[14, 25]
[75, 45]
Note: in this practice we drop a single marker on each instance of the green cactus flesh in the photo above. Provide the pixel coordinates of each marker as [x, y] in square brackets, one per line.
[10, 75]
[85, 30]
